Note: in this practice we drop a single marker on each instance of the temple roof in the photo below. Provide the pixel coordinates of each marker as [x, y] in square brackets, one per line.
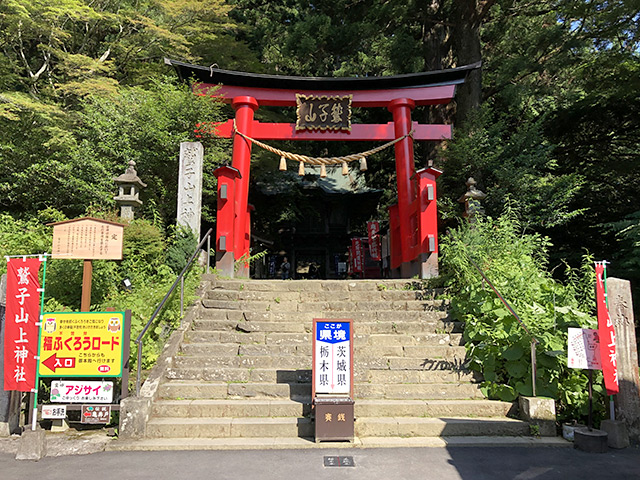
[452, 76]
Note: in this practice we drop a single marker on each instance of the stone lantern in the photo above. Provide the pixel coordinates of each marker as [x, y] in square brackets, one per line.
[471, 200]
[129, 185]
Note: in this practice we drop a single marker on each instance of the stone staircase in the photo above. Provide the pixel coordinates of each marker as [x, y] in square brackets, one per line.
[242, 375]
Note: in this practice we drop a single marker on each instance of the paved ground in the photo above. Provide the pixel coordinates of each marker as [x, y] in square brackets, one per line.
[442, 463]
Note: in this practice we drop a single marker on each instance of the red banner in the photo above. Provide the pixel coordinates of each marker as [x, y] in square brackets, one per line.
[21, 332]
[607, 335]
[358, 254]
[373, 229]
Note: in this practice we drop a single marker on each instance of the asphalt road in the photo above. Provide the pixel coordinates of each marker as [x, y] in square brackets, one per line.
[453, 463]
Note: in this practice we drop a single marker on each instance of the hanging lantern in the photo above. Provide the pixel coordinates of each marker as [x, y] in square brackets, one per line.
[363, 164]
[323, 171]
[301, 169]
[345, 168]
[283, 164]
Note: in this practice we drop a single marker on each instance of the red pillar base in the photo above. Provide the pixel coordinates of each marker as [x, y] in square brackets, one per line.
[225, 264]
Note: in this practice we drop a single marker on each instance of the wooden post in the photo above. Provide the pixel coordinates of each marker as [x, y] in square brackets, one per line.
[87, 272]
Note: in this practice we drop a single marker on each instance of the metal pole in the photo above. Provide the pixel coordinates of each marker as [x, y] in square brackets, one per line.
[208, 252]
[181, 299]
[34, 394]
[138, 367]
[534, 366]
[590, 424]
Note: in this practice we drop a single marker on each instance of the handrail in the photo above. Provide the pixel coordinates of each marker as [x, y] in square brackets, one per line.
[534, 341]
[179, 279]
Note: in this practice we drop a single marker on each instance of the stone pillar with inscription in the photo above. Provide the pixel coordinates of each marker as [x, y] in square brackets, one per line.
[627, 401]
[190, 186]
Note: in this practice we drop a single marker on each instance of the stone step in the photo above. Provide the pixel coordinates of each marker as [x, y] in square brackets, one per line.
[363, 408]
[231, 408]
[276, 375]
[188, 389]
[294, 326]
[377, 348]
[433, 408]
[423, 391]
[260, 338]
[357, 317]
[221, 389]
[318, 296]
[377, 358]
[206, 427]
[436, 427]
[251, 427]
[327, 306]
[421, 376]
[251, 327]
[245, 285]
[243, 361]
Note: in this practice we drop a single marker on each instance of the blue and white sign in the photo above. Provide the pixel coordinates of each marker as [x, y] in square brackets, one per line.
[332, 359]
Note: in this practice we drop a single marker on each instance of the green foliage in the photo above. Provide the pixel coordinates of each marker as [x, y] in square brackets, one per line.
[182, 245]
[498, 346]
[512, 162]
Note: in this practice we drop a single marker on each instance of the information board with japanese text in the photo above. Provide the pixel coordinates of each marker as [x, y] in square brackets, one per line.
[87, 239]
[81, 344]
[81, 391]
[332, 357]
[583, 349]
[95, 414]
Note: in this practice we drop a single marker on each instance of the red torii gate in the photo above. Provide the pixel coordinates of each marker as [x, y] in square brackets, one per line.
[413, 228]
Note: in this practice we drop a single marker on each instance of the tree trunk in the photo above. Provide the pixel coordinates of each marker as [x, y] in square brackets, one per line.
[467, 50]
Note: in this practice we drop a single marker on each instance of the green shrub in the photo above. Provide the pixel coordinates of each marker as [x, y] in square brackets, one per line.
[497, 345]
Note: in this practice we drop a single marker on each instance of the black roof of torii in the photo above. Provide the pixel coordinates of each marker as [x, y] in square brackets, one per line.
[451, 76]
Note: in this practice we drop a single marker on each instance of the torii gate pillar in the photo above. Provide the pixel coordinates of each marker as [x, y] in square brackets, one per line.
[245, 107]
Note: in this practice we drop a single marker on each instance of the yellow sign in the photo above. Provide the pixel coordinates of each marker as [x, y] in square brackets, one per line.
[87, 239]
[81, 344]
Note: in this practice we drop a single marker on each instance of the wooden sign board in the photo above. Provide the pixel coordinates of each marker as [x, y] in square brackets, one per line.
[323, 112]
[87, 239]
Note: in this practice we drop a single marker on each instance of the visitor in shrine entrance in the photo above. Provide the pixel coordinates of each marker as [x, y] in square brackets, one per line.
[285, 267]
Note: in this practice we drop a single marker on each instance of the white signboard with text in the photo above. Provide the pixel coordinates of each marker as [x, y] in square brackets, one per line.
[79, 391]
[332, 357]
[584, 349]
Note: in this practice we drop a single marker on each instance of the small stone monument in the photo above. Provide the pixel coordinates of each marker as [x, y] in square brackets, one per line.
[471, 200]
[129, 185]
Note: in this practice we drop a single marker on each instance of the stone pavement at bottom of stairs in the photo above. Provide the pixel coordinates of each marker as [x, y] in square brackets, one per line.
[443, 463]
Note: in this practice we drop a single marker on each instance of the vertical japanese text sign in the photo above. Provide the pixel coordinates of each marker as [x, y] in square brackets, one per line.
[21, 329]
[373, 229]
[332, 357]
[607, 335]
[358, 254]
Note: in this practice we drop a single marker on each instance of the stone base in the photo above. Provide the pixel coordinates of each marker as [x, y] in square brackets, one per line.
[592, 441]
[539, 411]
[617, 433]
[59, 425]
[225, 264]
[33, 445]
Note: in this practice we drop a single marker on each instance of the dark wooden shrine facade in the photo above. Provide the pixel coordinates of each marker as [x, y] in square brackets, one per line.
[413, 227]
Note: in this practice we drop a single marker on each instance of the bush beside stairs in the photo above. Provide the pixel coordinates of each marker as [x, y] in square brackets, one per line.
[241, 377]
